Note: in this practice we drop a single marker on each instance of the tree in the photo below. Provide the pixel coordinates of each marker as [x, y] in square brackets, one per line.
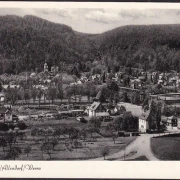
[4, 127]
[135, 98]
[3, 143]
[34, 94]
[124, 97]
[39, 96]
[60, 93]
[158, 116]
[122, 109]
[155, 115]
[73, 133]
[12, 95]
[130, 121]
[54, 142]
[34, 132]
[22, 125]
[105, 151]
[47, 147]
[116, 98]
[118, 123]
[111, 129]
[52, 93]
[145, 105]
[94, 126]
[83, 133]
[10, 138]
[21, 135]
[27, 150]
[27, 96]
[69, 93]
[95, 122]
[14, 153]
[21, 94]
[58, 132]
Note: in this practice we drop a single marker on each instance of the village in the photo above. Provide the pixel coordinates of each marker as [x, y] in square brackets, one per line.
[62, 113]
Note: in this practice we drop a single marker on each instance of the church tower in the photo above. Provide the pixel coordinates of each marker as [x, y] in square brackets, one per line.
[45, 67]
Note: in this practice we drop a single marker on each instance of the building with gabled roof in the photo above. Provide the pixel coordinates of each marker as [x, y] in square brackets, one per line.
[95, 108]
[144, 121]
[5, 114]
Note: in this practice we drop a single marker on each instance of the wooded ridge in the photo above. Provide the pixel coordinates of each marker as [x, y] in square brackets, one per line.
[27, 42]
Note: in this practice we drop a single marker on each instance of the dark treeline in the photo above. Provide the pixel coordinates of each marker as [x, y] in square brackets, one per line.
[26, 43]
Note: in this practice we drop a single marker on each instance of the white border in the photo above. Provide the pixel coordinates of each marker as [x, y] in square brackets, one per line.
[93, 169]
[61, 5]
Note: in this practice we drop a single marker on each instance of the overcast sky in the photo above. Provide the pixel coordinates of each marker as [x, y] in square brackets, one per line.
[100, 20]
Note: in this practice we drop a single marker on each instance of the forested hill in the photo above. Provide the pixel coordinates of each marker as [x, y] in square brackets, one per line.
[27, 42]
[152, 47]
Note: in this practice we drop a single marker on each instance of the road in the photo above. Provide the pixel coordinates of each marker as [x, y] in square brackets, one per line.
[139, 147]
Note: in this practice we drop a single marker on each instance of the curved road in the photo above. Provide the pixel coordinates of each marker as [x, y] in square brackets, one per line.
[139, 147]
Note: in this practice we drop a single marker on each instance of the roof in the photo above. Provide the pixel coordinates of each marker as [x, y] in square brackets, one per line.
[137, 80]
[163, 118]
[94, 105]
[61, 112]
[172, 117]
[141, 77]
[99, 94]
[77, 110]
[134, 109]
[102, 114]
[3, 110]
[145, 115]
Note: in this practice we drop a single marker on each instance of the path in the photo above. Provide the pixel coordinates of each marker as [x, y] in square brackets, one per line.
[139, 147]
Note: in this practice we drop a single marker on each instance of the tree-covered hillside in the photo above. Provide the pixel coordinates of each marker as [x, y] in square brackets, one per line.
[27, 42]
[153, 47]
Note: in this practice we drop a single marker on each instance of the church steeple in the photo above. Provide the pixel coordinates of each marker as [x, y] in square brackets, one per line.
[45, 67]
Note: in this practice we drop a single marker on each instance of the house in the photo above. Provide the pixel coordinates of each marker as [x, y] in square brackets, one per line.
[2, 96]
[172, 121]
[136, 84]
[96, 77]
[5, 114]
[96, 109]
[11, 86]
[143, 122]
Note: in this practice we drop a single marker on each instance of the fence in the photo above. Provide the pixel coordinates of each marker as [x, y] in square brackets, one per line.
[165, 134]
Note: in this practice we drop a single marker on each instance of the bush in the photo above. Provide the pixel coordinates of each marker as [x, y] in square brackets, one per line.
[22, 126]
[105, 151]
[4, 127]
[12, 126]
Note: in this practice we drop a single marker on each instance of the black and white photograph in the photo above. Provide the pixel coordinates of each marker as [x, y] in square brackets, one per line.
[90, 84]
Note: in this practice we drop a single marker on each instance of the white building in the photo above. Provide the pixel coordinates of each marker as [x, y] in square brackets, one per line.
[143, 122]
[96, 109]
[45, 67]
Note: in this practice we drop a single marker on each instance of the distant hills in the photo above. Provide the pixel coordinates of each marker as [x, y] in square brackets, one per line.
[27, 42]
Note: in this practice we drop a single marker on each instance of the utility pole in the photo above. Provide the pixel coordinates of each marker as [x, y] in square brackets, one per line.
[125, 153]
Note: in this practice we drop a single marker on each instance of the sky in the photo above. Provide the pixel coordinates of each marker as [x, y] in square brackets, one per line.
[99, 20]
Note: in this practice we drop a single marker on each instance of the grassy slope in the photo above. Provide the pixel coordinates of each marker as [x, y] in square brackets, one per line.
[167, 147]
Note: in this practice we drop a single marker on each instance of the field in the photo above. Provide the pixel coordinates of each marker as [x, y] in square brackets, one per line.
[167, 147]
[65, 150]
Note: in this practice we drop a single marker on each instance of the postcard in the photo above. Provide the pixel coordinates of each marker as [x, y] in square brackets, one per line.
[87, 88]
